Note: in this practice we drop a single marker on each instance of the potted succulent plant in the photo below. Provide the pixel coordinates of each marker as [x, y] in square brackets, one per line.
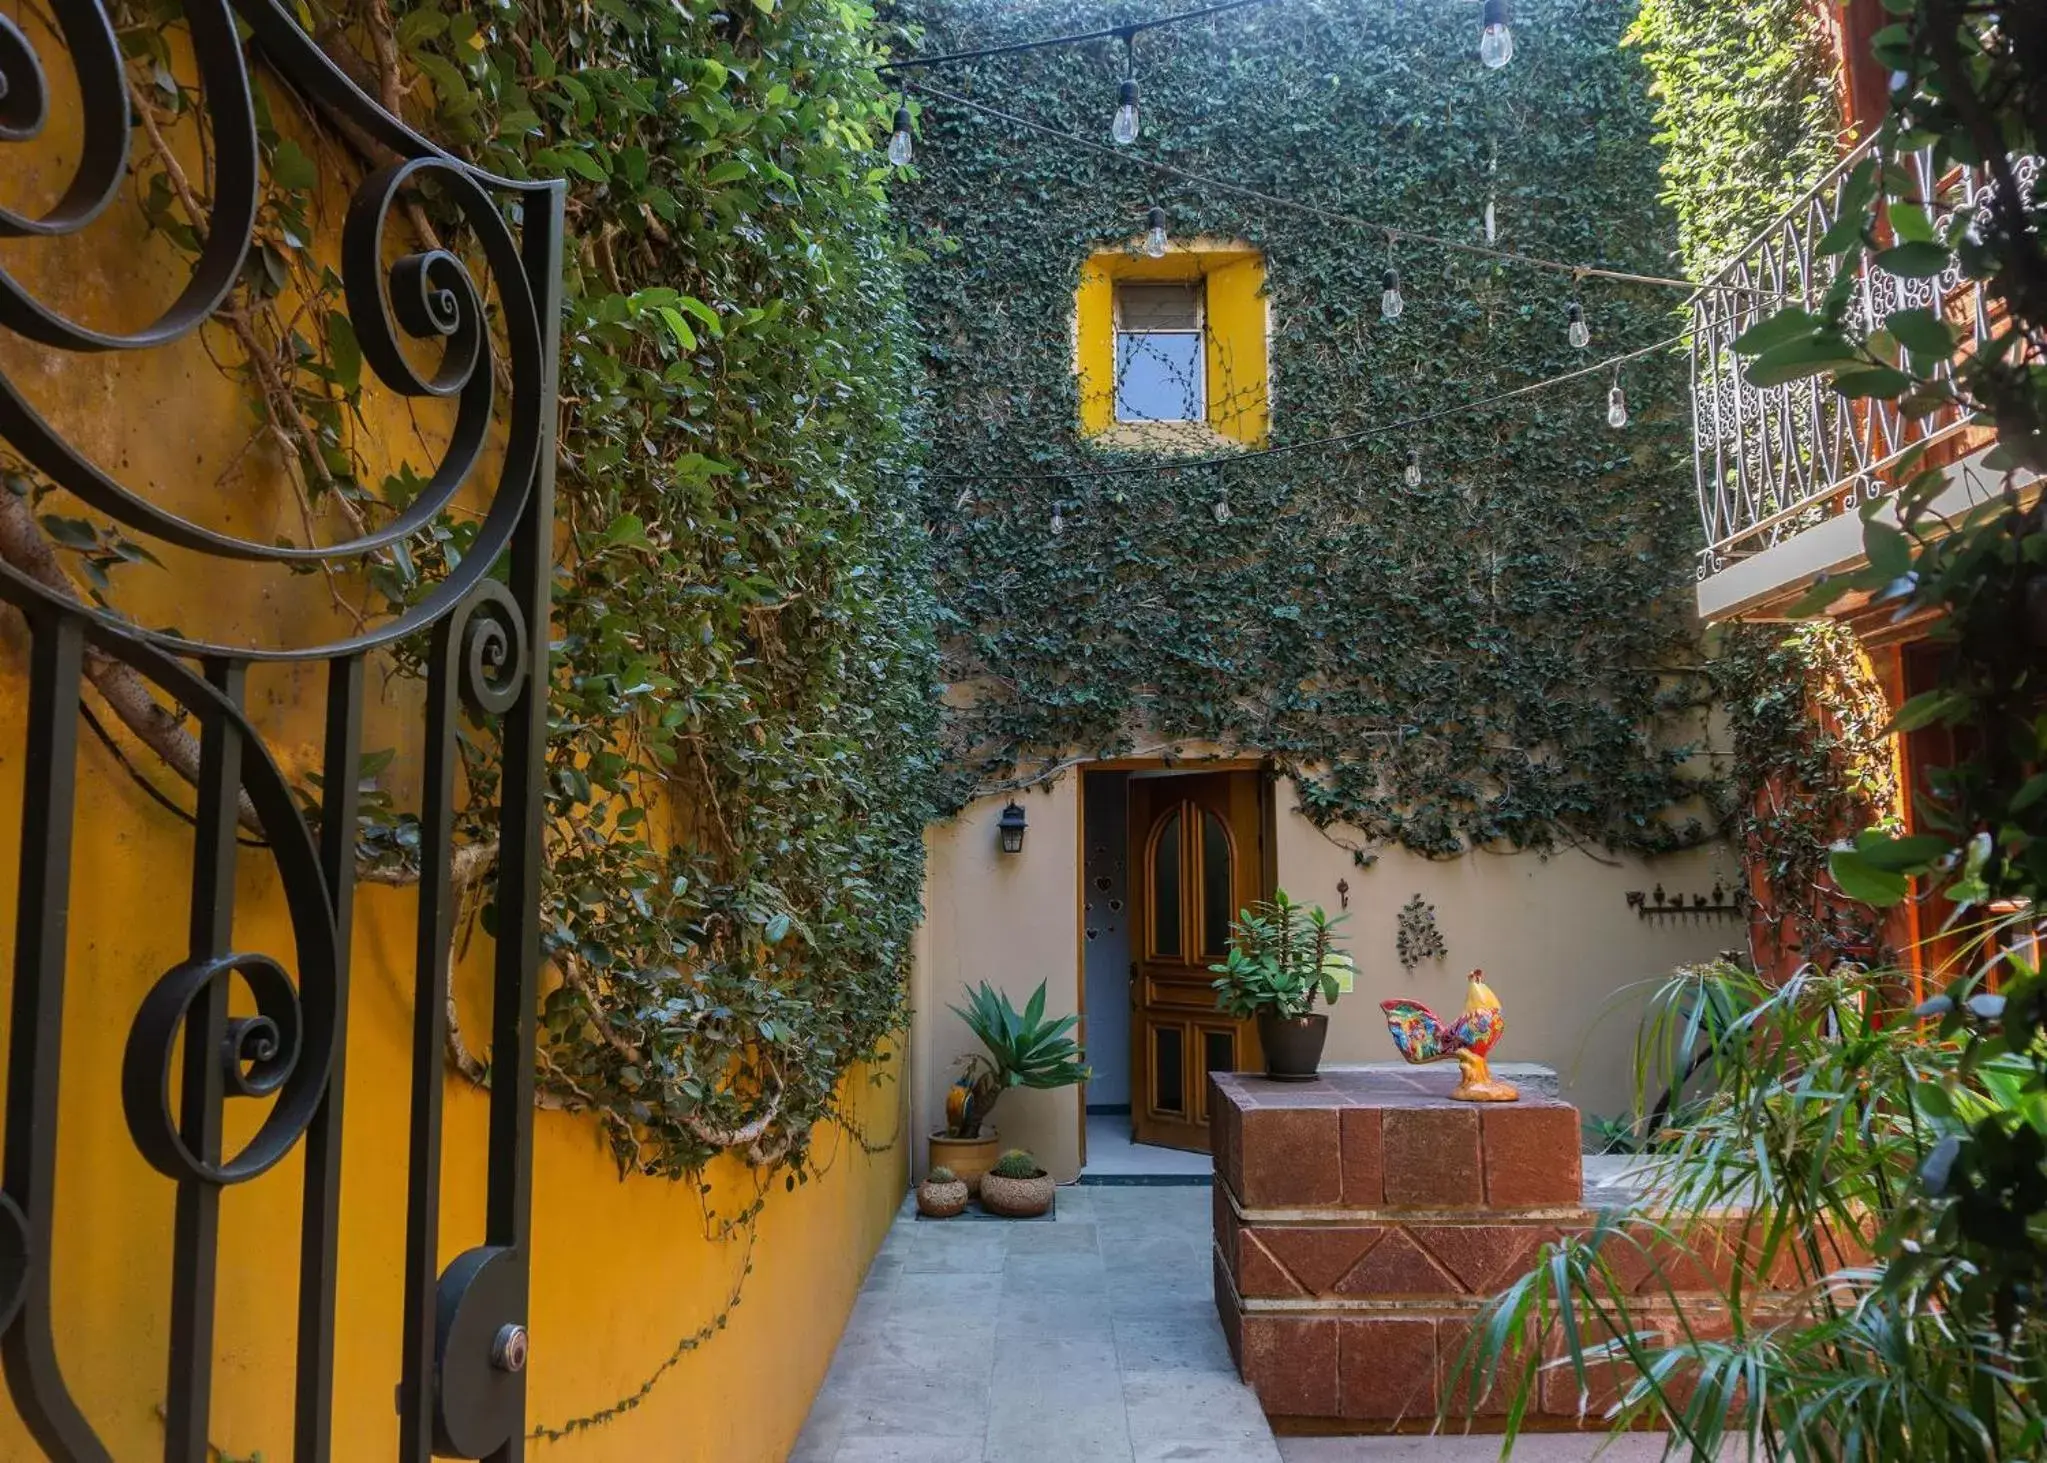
[942, 1194]
[1016, 1187]
[1019, 1049]
[1282, 959]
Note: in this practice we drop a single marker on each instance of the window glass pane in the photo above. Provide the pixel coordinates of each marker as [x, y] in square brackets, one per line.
[1216, 883]
[1158, 376]
[1165, 889]
[1158, 306]
[1168, 1060]
[1218, 1053]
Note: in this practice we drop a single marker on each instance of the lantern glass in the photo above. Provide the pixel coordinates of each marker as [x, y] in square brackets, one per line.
[1012, 825]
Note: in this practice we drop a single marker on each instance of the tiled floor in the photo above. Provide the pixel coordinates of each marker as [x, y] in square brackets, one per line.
[1113, 1158]
[1090, 1339]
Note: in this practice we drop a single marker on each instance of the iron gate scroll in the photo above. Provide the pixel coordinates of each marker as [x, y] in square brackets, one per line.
[461, 1391]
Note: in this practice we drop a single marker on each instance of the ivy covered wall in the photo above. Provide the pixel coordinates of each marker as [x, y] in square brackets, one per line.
[1500, 656]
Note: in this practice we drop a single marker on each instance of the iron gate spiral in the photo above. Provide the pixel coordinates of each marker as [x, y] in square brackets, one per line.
[461, 1390]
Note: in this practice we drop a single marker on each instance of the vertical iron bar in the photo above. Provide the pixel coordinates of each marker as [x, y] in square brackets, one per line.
[513, 995]
[313, 1417]
[195, 1253]
[429, 1041]
[35, 1037]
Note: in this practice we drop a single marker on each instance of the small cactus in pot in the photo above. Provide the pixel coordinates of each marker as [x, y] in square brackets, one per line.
[1016, 1188]
[942, 1194]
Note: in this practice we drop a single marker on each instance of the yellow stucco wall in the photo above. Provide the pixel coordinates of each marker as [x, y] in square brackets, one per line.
[1237, 387]
[621, 1270]
[1555, 936]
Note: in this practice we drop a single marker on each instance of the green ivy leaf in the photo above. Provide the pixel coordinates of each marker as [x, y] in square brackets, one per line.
[1914, 261]
[1863, 882]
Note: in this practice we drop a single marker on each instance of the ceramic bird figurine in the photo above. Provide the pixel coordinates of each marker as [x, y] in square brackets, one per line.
[1422, 1036]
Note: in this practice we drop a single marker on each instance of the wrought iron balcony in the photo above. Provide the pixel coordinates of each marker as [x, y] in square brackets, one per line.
[1772, 462]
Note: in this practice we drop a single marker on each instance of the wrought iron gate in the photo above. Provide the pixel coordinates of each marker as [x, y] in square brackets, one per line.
[461, 1391]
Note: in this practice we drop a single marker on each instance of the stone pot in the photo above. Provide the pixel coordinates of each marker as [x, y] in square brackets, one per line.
[1293, 1044]
[968, 1158]
[941, 1201]
[1017, 1198]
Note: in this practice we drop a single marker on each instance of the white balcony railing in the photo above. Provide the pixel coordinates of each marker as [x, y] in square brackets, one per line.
[1774, 461]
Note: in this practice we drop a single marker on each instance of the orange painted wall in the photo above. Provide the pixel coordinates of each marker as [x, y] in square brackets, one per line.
[622, 1269]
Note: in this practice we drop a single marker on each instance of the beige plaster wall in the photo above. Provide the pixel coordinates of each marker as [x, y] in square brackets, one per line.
[1012, 920]
[1555, 937]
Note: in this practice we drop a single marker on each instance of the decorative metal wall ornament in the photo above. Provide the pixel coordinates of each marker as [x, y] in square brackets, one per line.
[1719, 904]
[1417, 938]
[461, 1391]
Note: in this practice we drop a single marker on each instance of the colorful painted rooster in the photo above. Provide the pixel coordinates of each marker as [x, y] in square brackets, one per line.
[1422, 1036]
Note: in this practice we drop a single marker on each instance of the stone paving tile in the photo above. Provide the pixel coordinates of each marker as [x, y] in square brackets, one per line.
[1090, 1340]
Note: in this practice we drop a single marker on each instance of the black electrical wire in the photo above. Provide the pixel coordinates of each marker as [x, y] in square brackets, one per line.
[1389, 231]
[1115, 32]
[1341, 439]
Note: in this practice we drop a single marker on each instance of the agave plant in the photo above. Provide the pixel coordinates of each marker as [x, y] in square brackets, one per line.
[1022, 1049]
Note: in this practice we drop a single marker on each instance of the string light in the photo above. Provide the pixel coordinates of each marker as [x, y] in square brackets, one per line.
[900, 148]
[1616, 405]
[1577, 331]
[1390, 303]
[1340, 440]
[1123, 130]
[1413, 476]
[1058, 521]
[1155, 233]
[1496, 40]
[1222, 509]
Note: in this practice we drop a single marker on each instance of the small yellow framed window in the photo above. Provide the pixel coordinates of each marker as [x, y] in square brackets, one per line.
[1171, 352]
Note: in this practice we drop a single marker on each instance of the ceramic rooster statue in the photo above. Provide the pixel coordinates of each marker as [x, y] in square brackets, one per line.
[1422, 1036]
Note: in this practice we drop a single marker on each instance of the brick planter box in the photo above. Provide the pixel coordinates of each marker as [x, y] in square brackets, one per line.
[1362, 1219]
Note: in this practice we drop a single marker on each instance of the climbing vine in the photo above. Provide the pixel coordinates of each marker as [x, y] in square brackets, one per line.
[741, 733]
[1812, 765]
[1499, 656]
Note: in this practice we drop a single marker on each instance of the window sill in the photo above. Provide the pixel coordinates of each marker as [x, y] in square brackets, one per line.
[1189, 439]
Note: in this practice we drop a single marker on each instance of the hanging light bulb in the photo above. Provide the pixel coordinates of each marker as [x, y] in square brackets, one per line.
[1058, 521]
[1492, 231]
[1155, 233]
[1616, 407]
[1222, 510]
[1390, 303]
[1413, 475]
[1577, 332]
[1496, 41]
[1123, 131]
[900, 148]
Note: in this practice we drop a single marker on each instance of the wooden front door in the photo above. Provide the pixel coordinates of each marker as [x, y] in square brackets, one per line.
[1197, 856]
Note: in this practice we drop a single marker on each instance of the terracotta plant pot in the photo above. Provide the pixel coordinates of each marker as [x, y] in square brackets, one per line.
[941, 1201]
[968, 1158]
[1017, 1198]
[1293, 1045]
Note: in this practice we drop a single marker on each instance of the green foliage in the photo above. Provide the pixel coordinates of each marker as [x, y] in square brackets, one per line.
[1020, 1049]
[1282, 957]
[1498, 657]
[1824, 1107]
[1745, 109]
[1812, 763]
[1017, 1163]
[941, 1175]
[1839, 1116]
[742, 618]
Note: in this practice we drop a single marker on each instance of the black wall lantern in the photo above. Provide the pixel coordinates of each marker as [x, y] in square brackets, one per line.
[1012, 825]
